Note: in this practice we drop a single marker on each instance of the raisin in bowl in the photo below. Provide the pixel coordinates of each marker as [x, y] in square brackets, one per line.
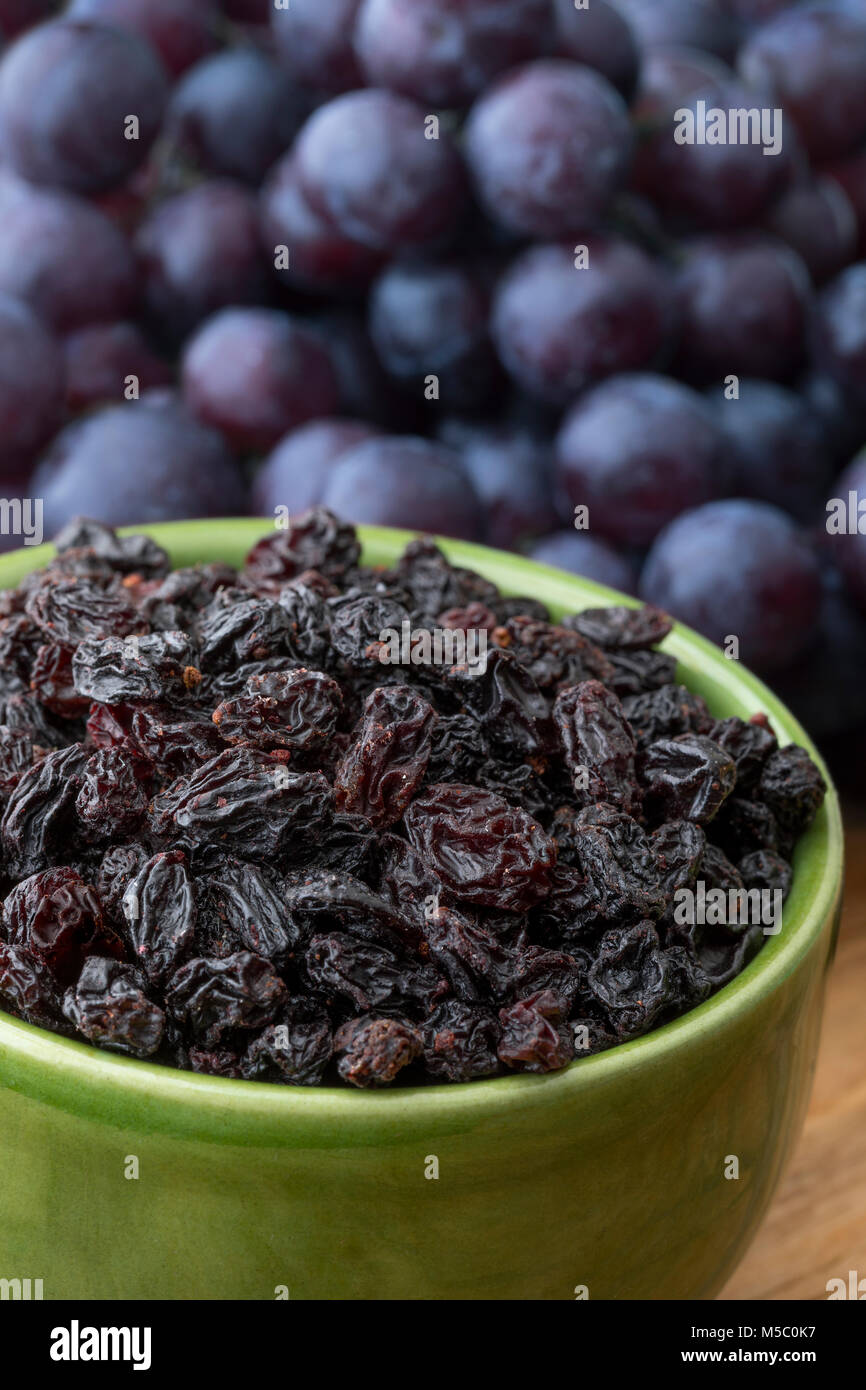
[401, 966]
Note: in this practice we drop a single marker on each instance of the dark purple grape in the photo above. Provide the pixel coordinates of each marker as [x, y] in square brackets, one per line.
[637, 451]
[31, 387]
[366, 164]
[840, 330]
[580, 553]
[779, 447]
[255, 374]
[706, 186]
[548, 146]
[754, 12]
[744, 303]
[511, 468]
[18, 15]
[234, 114]
[432, 319]
[445, 52]
[181, 31]
[601, 38]
[172, 468]
[92, 280]
[850, 175]
[843, 418]
[669, 77]
[249, 11]
[199, 252]
[742, 569]
[700, 24]
[314, 43]
[830, 709]
[295, 472]
[98, 77]
[366, 393]
[817, 220]
[100, 358]
[559, 328]
[320, 256]
[405, 482]
[811, 62]
[849, 547]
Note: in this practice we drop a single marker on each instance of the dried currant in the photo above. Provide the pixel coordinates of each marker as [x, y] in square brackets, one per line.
[213, 997]
[535, 1037]
[159, 914]
[295, 1050]
[112, 799]
[687, 778]
[58, 918]
[385, 764]
[292, 709]
[108, 1006]
[372, 1051]
[598, 744]
[482, 849]
[246, 800]
[135, 670]
[315, 541]
[620, 628]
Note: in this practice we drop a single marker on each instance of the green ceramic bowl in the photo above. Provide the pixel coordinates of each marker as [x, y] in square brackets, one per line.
[121, 1179]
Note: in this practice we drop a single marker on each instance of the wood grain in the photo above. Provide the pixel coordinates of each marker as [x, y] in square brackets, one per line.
[816, 1228]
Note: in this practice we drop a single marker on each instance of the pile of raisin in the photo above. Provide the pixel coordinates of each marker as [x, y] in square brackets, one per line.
[237, 840]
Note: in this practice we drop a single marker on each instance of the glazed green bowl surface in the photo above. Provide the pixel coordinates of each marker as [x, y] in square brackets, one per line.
[641, 1172]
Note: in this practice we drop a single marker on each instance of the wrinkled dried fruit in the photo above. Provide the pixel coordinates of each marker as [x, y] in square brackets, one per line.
[212, 997]
[159, 912]
[108, 1005]
[282, 709]
[286, 847]
[481, 848]
[246, 800]
[384, 766]
[687, 778]
[374, 1050]
[58, 918]
[135, 670]
[598, 744]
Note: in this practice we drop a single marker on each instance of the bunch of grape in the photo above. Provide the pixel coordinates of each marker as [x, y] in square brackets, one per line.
[457, 265]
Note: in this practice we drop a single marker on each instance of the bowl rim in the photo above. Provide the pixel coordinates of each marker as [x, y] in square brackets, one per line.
[76, 1075]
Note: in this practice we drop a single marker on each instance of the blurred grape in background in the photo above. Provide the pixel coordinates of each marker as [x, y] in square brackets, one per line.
[442, 264]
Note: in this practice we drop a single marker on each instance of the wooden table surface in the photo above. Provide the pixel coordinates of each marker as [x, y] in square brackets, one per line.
[816, 1228]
